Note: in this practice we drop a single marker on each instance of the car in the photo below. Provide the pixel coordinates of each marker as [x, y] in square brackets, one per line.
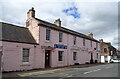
[114, 61]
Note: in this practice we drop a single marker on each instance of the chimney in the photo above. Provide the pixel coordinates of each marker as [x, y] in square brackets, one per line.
[57, 22]
[101, 40]
[31, 13]
[90, 35]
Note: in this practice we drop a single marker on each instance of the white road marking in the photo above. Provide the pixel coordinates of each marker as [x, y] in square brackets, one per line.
[91, 71]
[69, 76]
[96, 70]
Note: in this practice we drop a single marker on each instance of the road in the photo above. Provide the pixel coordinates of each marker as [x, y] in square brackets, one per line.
[107, 70]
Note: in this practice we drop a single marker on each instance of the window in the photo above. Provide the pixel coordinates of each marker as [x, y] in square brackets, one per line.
[25, 55]
[91, 43]
[83, 42]
[74, 40]
[96, 45]
[97, 55]
[105, 50]
[60, 36]
[60, 55]
[47, 34]
[74, 55]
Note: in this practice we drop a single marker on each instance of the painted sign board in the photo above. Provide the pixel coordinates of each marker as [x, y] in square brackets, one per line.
[60, 46]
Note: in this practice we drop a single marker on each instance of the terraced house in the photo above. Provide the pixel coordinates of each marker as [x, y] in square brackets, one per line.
[40, 44]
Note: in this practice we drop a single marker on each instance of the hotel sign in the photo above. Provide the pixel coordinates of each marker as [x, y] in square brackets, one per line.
[60, 46]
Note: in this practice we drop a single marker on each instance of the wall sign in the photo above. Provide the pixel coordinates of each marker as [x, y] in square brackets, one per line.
[60, 46]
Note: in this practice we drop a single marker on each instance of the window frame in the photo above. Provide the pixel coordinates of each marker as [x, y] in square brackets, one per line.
[105, 50]
[60, 55]
[60, 36]
[25, 59]
[97, 56]
[74, 40]
[74, 56]
[48, 33]
[96, 45]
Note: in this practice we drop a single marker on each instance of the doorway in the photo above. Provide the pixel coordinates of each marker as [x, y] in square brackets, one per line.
[47, 58]
[91, 60]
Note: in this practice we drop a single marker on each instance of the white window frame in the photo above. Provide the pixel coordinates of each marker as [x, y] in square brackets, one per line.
[23, 61]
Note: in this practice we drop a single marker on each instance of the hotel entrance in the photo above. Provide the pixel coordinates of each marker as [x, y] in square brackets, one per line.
[47, 58]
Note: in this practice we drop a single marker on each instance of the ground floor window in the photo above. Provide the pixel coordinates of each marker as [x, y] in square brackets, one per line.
[60, 55]
[25, 56]
[97, 55]
[74, 55]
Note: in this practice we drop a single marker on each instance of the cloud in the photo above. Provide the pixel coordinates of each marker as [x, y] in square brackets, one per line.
[72, 11]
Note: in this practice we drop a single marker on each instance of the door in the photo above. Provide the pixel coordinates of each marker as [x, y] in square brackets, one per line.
[91, 60]
[47, 58]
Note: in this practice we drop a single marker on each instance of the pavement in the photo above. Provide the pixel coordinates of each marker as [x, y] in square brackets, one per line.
[48, 71]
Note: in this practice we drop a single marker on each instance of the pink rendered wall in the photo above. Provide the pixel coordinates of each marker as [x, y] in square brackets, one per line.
[12, 57]
[54, 40]
[82, 56]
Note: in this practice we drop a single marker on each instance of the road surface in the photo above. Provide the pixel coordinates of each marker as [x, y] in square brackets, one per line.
[107, 70]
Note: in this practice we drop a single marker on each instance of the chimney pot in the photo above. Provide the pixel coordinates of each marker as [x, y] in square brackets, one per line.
[57, 22]
[90, 35]
[31, 13]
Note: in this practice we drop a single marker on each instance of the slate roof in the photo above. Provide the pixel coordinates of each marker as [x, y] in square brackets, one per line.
[65, 30]
[14, 33]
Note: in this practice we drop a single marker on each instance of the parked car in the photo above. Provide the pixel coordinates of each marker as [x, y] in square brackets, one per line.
[114, 61]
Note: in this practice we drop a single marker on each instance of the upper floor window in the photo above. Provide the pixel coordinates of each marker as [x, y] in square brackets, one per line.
[105, 50]
[83, 42]
[60, 55]
[25, 56]
[47, 34]
[60, 36]
[91, 43]
[74, 40]
[96, 45]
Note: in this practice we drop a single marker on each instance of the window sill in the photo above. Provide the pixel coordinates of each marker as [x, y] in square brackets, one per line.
[47, 41]
[25, 64]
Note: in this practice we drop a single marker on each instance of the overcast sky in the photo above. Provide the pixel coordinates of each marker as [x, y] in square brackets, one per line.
[98, 17]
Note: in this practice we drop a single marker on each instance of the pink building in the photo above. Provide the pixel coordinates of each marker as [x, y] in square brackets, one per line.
[41, 44]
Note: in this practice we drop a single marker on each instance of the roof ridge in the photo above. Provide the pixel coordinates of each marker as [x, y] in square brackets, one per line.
[14, 25]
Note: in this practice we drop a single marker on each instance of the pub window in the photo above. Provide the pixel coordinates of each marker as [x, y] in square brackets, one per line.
[74, 40]
[74, 55]
[25, 55]
[60, 55]
[83, 42]
[47, 34]
[60, 36]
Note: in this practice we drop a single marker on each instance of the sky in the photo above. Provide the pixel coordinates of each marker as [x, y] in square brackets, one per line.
[97, 16]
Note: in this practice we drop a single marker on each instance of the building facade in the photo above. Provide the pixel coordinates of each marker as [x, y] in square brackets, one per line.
[41, 44]
[107, 51]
